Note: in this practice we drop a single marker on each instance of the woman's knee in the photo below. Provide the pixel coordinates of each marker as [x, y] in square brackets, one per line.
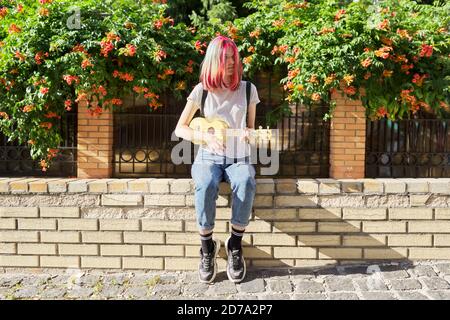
[245, 181]
[208, 185]
[205, 178]
[206, 182]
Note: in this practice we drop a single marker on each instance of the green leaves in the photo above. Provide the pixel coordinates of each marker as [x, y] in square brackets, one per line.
[388, 36]
[112, 36]
[321, 44]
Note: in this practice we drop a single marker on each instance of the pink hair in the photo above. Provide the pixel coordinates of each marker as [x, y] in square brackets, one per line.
[212, 74]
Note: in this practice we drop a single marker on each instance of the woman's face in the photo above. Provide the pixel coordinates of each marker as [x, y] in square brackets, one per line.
[229, 62]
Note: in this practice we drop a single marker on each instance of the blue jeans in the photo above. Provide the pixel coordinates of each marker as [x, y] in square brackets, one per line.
[207, 171]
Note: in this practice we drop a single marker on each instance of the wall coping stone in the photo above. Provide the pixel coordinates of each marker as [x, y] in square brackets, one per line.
[321, 186]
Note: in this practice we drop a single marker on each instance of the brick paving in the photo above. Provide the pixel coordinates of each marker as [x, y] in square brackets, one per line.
[427, 280]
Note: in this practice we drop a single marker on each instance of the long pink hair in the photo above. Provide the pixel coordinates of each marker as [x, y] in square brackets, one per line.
[212, 74]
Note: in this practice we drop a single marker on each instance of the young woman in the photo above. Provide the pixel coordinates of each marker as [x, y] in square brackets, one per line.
[221, 76]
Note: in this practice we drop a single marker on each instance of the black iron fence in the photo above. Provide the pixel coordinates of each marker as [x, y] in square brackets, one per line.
[143, 146]
[415, 148]
[15, 159]
[305, 143]
[142, 143]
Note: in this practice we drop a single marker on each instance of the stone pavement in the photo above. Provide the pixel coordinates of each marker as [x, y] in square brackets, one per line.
[402, 280]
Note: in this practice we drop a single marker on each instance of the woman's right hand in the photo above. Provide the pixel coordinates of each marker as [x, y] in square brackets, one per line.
[213, 143]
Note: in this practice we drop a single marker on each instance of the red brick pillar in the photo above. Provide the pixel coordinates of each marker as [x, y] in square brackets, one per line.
[95, 143]
[347, 138]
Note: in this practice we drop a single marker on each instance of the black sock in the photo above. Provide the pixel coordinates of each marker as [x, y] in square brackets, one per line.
[207, 242]
[236, 239]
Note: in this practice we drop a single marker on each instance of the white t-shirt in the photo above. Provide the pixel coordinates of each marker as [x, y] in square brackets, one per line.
[231, 106]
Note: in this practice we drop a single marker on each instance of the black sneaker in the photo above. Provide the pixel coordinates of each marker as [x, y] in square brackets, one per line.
[236, 268]
[207, 268]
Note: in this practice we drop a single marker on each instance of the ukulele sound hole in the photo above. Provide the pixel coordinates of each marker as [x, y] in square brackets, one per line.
[211, 130]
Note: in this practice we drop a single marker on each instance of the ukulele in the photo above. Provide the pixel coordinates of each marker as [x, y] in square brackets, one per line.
[222, 130]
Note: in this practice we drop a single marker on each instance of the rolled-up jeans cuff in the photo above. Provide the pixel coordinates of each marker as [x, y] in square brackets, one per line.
[239, 225]
[205, 228]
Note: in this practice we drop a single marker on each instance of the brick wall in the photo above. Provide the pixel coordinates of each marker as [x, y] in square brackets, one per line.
[347, 138]
[150, 223]
[95, 143]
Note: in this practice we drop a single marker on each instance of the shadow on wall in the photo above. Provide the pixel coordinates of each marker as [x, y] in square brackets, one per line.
[313, 237]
